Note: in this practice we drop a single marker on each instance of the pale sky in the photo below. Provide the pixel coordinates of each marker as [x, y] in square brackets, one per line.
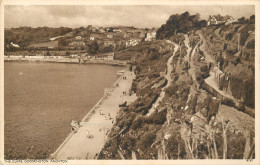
[138, 16]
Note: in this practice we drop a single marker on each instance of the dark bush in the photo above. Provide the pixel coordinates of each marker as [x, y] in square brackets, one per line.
[236, 28]
[146, 141]
[137, 123]
[159, 118]
[251, 44]
[243, 38]
[172, 146]
[241, 108]
[229, 36]
[235, 145]
[228, 102]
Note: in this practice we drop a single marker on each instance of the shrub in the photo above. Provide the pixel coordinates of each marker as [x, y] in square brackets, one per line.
[236, 145]
[159, 118]
[229, 36]
[146, 141]
[243, 38]
[228, 102]
[137, 123]
[241, 108]
[172, 146]
[251, 44]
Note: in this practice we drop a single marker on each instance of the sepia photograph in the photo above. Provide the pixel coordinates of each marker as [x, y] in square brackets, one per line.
[169, 81]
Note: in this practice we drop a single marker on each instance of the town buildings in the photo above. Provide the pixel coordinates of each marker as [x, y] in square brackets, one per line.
[151, 35]
[218, 19]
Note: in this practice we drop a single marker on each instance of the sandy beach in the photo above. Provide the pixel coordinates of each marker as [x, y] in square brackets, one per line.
[78, 145]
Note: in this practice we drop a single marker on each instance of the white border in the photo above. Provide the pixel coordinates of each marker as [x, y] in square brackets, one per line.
[137, 2]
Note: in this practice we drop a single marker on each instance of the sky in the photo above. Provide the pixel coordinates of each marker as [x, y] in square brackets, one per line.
[140, 16]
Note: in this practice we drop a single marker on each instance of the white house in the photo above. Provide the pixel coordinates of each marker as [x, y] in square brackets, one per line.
[133, 42]
[95, 36]
[230, 20]
[217, 19]
[77, 43]
[78, 37]
[109, 36]
[151, 35]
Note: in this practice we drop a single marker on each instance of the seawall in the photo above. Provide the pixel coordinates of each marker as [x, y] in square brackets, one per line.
[60, 59]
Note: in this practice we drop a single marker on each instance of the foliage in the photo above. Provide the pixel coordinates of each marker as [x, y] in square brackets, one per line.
[251, 44]
[23, 36]
[146, 141]
[93, 47]
[228, 102]
[159, 118]
[179, 23]
[229, 36]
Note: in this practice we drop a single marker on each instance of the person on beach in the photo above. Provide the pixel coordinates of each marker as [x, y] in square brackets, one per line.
[100, 112]
[87, 134]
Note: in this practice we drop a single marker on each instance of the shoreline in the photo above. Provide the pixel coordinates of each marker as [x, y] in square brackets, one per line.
[93, 122]
[84, 119]
[66, 60]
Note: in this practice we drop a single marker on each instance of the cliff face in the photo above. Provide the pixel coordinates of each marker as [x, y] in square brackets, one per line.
[233, 48]
[189, 122]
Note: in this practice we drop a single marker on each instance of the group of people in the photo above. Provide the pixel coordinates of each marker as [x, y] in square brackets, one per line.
[124, 77]
[106, 116]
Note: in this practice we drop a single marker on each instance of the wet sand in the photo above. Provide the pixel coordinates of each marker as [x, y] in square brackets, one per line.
[78, 145]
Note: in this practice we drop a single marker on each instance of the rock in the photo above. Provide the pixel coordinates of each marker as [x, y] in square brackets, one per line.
[167, 136]
[186, 108]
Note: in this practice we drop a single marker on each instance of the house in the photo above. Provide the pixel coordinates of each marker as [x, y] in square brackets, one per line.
[218, 74]
[96, 36]
[230, 20]
[109, 36]
[117, 30]
[142, 35]
[150, 35]
[102, 30]
[127, 34]
[218, 19]
[74, 56]
[212, 21]
[107, 56]
[77, 43]
[109, 42]
[133, 42]
[78, 38]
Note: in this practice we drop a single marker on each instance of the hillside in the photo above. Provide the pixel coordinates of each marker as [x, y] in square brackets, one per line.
[202, 115]
[23, 36]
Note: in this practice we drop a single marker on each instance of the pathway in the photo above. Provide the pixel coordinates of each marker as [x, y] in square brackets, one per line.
[168, 78]
[78, 145]
[192, 66]
[211, 80]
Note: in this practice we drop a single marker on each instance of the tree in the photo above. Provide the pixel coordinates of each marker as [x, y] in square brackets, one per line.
[179, 23]
[93, 47]
[252, 19]
[242, 20]
[199, 24]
